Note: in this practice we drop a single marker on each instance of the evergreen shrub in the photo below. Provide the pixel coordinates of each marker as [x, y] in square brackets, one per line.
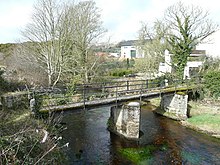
[212, 83]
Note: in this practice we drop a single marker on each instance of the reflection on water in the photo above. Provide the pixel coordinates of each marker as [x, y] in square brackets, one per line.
[91, 142]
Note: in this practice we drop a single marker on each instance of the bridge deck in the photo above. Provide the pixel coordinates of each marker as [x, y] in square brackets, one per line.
[80, 105]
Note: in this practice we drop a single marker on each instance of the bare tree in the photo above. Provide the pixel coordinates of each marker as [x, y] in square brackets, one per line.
[25, 67]
[84, 28]
[60, 38]
[188, 26]
[45, 38]
[152, 43]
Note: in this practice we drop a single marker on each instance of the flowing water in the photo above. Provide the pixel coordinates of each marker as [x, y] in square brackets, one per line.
[91, 143]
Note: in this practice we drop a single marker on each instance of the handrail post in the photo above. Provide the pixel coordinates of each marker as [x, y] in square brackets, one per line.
[161, 83]
[116, 94]
[175, 87]
[103, 90]
[127, 85]
[141, 92]
[147, 84]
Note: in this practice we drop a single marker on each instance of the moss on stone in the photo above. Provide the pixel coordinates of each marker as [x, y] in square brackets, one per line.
[169, 114]
[110, 124]
[181, 93]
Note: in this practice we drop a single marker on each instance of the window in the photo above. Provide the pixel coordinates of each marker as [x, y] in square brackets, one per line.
[133, 53]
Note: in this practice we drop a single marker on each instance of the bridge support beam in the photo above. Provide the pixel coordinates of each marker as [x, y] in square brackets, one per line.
[125, 120]
[174, 106]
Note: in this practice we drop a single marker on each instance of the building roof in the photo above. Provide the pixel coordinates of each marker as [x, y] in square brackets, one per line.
[130, 42]
[127, 43]
[197, 53]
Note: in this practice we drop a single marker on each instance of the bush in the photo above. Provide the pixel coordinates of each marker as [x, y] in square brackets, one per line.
[10, 86]
[120, 72]
[62, 101]
[212, 83]
[7, 49]
[102, 79]
[3, 83]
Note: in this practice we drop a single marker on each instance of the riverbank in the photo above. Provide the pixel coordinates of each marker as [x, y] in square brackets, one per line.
[25, 139]
[204, 116]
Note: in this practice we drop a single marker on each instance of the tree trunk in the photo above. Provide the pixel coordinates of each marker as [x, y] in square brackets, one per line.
[49, 80]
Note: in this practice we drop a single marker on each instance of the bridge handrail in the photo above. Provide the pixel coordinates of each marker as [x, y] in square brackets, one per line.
[88, 92]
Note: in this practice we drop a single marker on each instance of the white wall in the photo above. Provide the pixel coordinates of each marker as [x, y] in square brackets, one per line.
[165, 67]
[213, 46]
[126, 52]
[162, 69]
[191, 64]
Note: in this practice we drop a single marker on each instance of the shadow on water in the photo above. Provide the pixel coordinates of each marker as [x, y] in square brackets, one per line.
[91, 143]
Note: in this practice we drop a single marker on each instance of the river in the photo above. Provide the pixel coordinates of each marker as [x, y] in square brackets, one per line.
[91, 143]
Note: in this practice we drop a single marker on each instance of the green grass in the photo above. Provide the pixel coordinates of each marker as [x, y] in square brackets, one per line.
[208, 121]
[198, 108]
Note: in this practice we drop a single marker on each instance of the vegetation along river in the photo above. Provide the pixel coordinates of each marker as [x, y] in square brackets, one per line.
[163, 141]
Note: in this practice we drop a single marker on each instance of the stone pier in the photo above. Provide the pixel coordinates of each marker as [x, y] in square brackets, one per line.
[174, 106]
[125, 120]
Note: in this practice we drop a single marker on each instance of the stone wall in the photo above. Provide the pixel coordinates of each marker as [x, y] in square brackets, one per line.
[174, 106]
[125, 120]
[15, 100]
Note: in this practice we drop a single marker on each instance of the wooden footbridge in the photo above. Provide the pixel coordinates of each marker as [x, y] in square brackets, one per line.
[87, 95]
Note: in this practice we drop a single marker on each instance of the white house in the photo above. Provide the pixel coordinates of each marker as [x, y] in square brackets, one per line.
[190, 66]
[130, 50]
[165, 67]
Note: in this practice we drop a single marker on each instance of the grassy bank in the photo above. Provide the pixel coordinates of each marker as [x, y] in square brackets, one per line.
[27, 140]
[204, 117]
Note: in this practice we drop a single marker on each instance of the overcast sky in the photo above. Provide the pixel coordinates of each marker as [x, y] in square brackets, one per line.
[121, 17]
